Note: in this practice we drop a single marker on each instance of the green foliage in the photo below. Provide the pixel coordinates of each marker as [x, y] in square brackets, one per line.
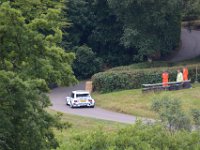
[130, 78]
[153, 27]
[24, 122]
[191, 10]
[143, 65]
[30, 59]
[171, 113]
[137, 103]
[123, 32]
[196, 117]
[105, 37]
[80, 14]
[135, 137]
[96, 25]
[86, 63]
[30, 39]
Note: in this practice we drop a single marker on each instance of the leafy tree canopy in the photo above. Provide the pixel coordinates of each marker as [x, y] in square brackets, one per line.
[30, 39]
[86, 63]
[191, 9]
[123, 32]
[152, 26]
[170, 112]
[30, 59]
[135, 137]
[94, 24]
[24, 123]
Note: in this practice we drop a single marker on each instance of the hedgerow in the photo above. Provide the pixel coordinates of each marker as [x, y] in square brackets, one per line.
[135, 137]
[128, 78]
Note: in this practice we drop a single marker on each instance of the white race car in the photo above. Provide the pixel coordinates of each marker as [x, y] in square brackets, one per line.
[80, 98]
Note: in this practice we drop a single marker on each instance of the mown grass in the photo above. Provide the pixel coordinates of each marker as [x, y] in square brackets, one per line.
[156, 64]
[136, 103]
[81, 125]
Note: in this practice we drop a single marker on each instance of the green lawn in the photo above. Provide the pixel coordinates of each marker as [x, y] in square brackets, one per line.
[129, 101]
[139, 104]
[81, 125]
[156, 64]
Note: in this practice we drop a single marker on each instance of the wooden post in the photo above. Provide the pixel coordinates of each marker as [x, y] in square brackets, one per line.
[88, 86]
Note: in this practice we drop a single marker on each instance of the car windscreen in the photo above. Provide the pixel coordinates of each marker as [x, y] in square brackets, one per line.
[82, 95]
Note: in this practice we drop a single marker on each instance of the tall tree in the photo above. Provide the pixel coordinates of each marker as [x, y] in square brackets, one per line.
[152, 26]
[29, 41]
[191, 9]
[30, 58]
[86, 63]
[24, 122]
[93, 23]
[82, 19]
[105, 37]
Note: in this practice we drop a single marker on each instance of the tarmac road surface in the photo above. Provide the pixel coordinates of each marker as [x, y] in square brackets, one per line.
[190, 48]
[57, 97]
[190, 45]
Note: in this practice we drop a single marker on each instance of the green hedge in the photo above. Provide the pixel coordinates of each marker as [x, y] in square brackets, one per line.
[135, 137]
[133, 79]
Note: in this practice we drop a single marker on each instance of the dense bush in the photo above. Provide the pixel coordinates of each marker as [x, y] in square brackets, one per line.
[133, 78]
[196, 117]
[134, 137]
[154, 30]
[86, 63]
[171, 113]
[95, 24]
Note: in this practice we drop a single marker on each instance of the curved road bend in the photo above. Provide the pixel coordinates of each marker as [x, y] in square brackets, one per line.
[57, 97]
[190, 45]
[190, 48]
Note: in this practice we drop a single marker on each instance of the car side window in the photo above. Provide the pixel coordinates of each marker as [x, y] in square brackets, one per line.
[72, 95]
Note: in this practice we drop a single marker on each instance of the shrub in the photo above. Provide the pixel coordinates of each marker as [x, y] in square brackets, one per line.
[86, 63]
[196, 117]
[112, 80]
[135, 137]
[171, 113]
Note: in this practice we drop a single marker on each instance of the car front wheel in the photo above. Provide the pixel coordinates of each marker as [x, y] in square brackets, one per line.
[71, 105]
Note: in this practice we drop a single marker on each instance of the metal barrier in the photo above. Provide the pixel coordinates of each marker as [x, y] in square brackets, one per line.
[169, 87]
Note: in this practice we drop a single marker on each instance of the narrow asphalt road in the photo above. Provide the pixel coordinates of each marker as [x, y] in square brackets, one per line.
[190, 48]
[190, 45]
[57, 97]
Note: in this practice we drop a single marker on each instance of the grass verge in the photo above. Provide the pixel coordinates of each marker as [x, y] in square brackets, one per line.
[157, 64]
[81, 125]
[136, 103]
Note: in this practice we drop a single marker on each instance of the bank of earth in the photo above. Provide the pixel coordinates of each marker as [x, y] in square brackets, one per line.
[136, 103]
